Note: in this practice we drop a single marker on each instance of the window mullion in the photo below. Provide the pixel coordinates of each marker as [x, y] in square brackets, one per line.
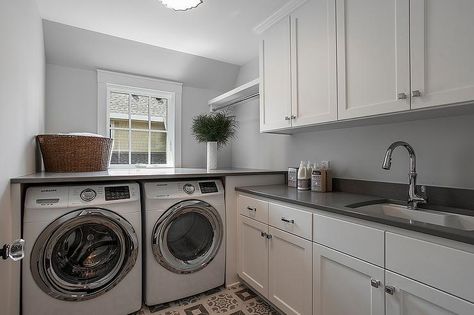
[129, 129]
[149, 130]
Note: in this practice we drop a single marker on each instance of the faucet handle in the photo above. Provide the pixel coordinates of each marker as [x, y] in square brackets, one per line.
[423, 192]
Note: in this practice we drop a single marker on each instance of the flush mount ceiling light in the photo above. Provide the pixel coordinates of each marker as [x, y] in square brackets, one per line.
[181, 5]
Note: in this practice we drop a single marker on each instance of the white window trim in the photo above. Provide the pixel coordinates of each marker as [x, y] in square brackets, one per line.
[150, 86]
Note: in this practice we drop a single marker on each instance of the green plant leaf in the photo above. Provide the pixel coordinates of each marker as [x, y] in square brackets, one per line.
[219, 127]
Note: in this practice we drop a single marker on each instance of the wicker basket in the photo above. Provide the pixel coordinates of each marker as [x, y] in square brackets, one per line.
[73, 153]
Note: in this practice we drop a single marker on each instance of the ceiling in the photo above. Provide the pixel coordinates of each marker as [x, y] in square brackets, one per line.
[217, 29]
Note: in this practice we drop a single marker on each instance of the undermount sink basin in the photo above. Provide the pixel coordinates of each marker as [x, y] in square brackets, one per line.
[447, 219]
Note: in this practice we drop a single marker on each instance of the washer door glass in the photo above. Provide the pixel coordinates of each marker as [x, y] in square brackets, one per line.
[83, 254]
[188, 236]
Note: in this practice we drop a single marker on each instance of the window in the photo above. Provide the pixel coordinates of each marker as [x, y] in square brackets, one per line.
[142, 121]
[138, 123]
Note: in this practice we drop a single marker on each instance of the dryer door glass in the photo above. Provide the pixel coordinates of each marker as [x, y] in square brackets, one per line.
[83, 254]
[187, 236]
[190, 236]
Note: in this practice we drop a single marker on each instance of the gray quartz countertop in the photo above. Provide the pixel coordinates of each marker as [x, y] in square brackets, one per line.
[136, 174]
[337, 202]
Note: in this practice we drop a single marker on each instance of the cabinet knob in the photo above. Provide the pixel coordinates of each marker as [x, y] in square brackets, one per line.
[287, 118]
[402, 96]
[389, 289]
[374, 283]
[416, 93]
[293, 117]
[263, 234]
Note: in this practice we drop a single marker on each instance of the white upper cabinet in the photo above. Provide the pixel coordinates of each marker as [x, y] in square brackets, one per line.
[275, 88]
[442, 41]
[313, 44]
[372, 57]
[408, 297]
[331, 60]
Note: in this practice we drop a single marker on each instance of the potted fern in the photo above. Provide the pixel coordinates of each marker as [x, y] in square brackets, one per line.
[216, 129]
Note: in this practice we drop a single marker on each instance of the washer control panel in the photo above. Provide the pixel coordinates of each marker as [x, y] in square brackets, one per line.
[189, 189]
[88, 194]
[117, 193]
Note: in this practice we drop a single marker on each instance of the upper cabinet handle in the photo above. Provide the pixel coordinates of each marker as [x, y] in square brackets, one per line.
[416, 93]
[375, 283]
[390, 290]
[402, 96]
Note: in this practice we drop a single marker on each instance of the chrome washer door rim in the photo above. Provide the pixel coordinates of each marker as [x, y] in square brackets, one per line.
[42, 253]
[160, 247]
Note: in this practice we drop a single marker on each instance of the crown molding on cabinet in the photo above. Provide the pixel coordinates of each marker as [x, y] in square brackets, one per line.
[277, 15]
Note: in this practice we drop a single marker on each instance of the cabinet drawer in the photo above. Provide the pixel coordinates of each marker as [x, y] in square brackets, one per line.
[357, 240]
[439, 266]
[292, 220]
[253, 208]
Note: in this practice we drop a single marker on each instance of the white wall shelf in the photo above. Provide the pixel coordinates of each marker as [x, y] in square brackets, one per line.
[242, 93]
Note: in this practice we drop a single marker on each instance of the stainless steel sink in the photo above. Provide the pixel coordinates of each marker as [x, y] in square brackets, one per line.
[447, 219]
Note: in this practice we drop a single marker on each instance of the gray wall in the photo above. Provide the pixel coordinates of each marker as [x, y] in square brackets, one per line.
[21, 118]
[74, 47]
[73, 55]
[444, 147]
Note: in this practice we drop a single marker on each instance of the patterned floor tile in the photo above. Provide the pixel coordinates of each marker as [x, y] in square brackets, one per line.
[235, 300]
[245, 294]
[196, 310]
[222, 303]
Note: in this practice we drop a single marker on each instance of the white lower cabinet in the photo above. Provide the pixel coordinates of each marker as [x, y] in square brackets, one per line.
[420, 275]
[253, 266]
[408, 297]
[290, 273]
[276, 264]
[345, 285]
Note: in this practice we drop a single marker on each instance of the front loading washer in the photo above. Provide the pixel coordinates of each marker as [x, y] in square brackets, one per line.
[83, 251]
[184, 245]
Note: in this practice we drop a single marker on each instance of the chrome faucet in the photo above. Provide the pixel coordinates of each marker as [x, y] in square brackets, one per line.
[413, 198]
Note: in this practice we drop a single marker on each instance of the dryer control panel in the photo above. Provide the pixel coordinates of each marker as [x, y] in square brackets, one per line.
[208, 187]
[183, 189]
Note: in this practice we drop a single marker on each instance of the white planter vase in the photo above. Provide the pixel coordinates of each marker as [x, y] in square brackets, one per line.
[212, 155]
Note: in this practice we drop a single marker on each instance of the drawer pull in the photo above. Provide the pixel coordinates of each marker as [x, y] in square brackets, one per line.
[389, 290]
[252, 209]
[287, 221]
[375, 283]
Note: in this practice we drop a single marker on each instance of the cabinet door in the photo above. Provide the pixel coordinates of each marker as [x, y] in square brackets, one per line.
[345, 285]
[290, 273]
[253, 252]
[373, 57]
[275, 86]
[313, 36]
[442, 65]
[413, 298]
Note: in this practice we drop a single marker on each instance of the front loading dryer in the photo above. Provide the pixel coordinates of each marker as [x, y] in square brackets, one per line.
[184, 245]
[83, 254]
